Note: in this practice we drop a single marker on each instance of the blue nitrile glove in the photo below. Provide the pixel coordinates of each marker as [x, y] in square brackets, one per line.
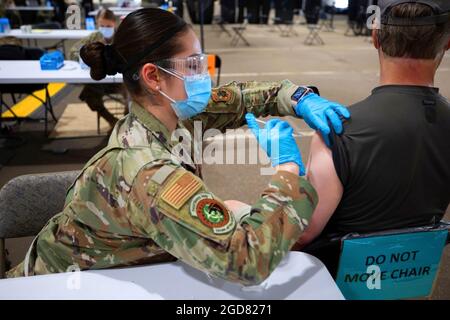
[277, 141]
[316, 111]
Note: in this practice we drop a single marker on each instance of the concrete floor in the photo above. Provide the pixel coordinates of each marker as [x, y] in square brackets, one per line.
[345, 69]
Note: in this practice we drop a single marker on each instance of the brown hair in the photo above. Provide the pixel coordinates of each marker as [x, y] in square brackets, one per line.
[416, 42]
[141, 30]
[105, 14]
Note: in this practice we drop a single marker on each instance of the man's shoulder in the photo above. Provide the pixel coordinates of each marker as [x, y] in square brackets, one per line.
[362, 106]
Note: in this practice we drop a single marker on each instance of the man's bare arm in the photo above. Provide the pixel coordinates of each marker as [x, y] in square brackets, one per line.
[322, 175]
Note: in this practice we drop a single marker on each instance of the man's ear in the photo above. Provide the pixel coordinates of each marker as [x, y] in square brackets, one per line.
[375, 41]
[149, 75]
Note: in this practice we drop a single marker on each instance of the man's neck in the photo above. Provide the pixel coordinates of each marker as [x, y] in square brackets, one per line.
[412, 72]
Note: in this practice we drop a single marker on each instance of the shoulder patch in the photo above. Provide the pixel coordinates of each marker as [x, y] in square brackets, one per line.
[161, 175]
[180, 190]
[222, 95]
[212, 213]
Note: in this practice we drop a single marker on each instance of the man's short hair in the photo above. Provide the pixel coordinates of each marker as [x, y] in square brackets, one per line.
[416, 42]
[105, 14]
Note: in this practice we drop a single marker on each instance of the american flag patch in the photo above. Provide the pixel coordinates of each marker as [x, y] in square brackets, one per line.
[180, 190]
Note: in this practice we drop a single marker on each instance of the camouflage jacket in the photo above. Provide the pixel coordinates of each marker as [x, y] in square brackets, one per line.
[74, 53]
[134, 203]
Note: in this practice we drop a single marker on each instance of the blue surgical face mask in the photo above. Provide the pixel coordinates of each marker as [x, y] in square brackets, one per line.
[198, 91]
[107, 32]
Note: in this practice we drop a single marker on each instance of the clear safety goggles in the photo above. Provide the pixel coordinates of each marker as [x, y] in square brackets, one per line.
[181, 67]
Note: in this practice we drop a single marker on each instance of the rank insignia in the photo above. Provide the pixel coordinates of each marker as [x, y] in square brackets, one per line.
[212, 213]
[180, 190]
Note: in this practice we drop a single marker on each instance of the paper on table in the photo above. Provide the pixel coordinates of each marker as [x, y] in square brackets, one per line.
[40, 31]
[69, 66]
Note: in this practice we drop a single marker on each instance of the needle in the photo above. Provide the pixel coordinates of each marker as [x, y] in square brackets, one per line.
[298, 134]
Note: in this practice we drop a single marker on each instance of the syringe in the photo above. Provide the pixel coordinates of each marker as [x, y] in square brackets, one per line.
[297, 134]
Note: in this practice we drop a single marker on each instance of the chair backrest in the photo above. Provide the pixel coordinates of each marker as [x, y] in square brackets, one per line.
[27, 202]
[12, 52]
[55, 25]
[15, 52]
[395, 264]
[34, 3]
[312, 11]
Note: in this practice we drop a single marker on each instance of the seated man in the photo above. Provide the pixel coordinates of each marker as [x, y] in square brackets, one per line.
[93, 94]
[391, 166]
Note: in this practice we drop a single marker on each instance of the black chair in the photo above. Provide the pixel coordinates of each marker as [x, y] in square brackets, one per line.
[286, 27]
[14, 18]
[26, 17]
[60, 10]
[357, 17]
[327, 17]
[27, 202]
[14, 52]
[193, 7]
[284, 18]
[239, 31]
[312, 16]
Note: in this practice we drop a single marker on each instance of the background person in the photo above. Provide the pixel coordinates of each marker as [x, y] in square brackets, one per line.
[391, 166]
[93, 94]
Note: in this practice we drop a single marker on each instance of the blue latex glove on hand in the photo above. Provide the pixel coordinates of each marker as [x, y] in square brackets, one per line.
[277, 140]
[316, 111]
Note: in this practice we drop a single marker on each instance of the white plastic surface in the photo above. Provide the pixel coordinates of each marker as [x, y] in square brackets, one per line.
[299, 276]
[23, 71]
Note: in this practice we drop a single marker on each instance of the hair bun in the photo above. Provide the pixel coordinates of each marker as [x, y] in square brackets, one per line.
[114, 61]
[92, 55]
[102, 59]
[110, 60]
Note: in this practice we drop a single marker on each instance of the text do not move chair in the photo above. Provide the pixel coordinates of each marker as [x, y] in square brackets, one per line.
[392, 264]
[27, 202]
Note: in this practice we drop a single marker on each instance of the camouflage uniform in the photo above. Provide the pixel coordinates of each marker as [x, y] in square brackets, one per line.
[74, 53]
[93, 94]
[13, 41]
[134, 203]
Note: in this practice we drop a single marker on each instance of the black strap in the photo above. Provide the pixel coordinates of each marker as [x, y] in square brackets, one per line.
[419, 21]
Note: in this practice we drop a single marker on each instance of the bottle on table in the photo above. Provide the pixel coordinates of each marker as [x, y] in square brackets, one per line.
[5, 27]
[90, 23]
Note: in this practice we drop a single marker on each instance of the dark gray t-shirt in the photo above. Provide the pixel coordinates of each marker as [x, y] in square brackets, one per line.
[393, 161]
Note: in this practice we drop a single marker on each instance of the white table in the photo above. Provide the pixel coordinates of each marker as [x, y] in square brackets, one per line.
[118, 11]
[24, 71]
[299, 276]
[31, 8]
[49, 34]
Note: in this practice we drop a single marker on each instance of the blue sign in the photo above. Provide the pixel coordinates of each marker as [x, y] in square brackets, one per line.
[390, 267]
